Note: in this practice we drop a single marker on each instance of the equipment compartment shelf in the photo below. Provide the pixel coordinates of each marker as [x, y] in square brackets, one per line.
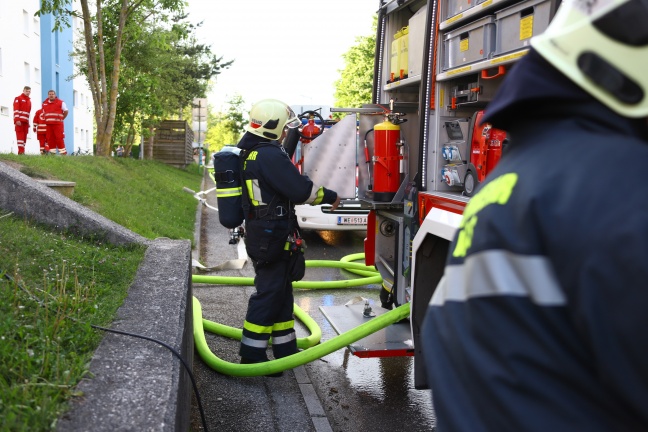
[481, 66]
[406, 82]
[473, 13]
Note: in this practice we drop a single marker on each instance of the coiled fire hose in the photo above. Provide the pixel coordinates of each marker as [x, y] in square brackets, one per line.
[312, 349]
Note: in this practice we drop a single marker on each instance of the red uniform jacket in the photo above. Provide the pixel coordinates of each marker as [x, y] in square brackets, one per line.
[53, 111]
[39, 123]
[22, 108]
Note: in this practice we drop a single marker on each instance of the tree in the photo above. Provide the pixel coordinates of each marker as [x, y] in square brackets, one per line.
[164, 70]
[107, 31]
[354, 87]
[226, 128]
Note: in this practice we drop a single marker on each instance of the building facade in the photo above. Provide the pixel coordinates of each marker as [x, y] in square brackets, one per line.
[31, 54]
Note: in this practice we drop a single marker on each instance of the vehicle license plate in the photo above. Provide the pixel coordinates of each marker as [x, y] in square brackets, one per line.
[352, 220]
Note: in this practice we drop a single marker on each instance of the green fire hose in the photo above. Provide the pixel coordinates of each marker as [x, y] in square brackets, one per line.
[311, 349]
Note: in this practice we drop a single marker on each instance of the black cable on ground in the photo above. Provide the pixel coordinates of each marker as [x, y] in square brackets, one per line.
[175, 353]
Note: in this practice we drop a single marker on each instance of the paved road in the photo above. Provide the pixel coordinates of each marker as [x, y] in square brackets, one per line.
[339, 392]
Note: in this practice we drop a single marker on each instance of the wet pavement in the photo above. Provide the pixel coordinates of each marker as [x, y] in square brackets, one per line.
[339, 392]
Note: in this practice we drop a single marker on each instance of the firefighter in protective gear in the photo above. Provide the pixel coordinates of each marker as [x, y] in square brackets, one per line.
[54, 112]
[538, 323]
[41, 131]
[22, 110]
[272, 186]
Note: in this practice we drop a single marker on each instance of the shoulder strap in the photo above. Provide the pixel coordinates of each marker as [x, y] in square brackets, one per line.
[247, 204]
[243, 155]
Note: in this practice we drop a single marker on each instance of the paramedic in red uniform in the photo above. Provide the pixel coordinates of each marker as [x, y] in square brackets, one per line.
[54, 112]
[41, 131]
[22, 109]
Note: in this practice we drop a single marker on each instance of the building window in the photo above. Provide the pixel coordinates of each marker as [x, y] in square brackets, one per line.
[36, 26]
[25, 23]
[4, 111]
[37, 75]
[76, 98]
[0, 61]
[27, 74]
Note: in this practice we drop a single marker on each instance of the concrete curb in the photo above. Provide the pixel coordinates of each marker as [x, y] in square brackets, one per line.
[133, 384]
[138, 385]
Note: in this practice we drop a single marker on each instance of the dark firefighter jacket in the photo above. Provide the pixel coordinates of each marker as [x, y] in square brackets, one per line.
[271, 179]
[272, 186]
[539, 322]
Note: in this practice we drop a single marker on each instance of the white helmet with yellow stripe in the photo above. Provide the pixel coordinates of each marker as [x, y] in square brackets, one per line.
[602, 45]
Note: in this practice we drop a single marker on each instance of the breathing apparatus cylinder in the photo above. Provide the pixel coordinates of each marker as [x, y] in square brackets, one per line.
[227, 175]
[386, 161]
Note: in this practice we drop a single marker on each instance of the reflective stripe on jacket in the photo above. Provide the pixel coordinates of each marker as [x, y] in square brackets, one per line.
[22, 108]
[53, 111]
[39, 122]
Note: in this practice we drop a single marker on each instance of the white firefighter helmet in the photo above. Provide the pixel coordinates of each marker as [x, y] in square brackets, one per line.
[602, 45]
[269, 117]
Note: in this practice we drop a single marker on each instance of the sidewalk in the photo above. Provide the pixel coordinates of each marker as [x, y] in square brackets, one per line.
[288, 403]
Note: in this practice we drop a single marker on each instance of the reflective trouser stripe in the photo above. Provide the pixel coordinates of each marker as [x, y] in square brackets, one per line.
[255, 343]
[500, 273]
[286, 325]
[278, 340]
[254, 328]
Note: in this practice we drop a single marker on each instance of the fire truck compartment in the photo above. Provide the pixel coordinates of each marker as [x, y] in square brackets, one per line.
[470, 43]
[517, 24]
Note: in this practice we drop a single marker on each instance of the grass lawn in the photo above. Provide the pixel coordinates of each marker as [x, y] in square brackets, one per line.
[54, 285]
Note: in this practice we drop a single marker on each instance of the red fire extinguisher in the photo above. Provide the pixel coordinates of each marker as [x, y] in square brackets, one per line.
[386, 161]
[310, 130]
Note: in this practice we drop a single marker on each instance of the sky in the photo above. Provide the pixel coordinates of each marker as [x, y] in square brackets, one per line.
[289, 50]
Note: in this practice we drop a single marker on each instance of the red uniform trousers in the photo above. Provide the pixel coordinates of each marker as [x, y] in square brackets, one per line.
[21, 136]
[55, 138]
[42, 140]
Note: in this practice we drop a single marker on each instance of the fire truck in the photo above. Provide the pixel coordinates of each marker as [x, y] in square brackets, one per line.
[438, 64]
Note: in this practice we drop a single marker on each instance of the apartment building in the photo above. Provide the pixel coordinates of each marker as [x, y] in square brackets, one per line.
[32, 54]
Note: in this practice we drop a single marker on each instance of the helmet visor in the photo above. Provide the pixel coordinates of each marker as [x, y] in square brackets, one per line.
[293, 121]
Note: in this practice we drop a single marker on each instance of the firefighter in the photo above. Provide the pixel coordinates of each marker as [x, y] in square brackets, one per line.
[22, 110]
[54, 112]
[41, 130]
[539, 322]
[272, 186]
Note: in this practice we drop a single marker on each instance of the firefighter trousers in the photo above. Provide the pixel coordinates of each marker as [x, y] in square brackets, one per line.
[270, 313]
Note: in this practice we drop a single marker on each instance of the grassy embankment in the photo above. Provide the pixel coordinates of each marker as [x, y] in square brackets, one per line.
[53, 286]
